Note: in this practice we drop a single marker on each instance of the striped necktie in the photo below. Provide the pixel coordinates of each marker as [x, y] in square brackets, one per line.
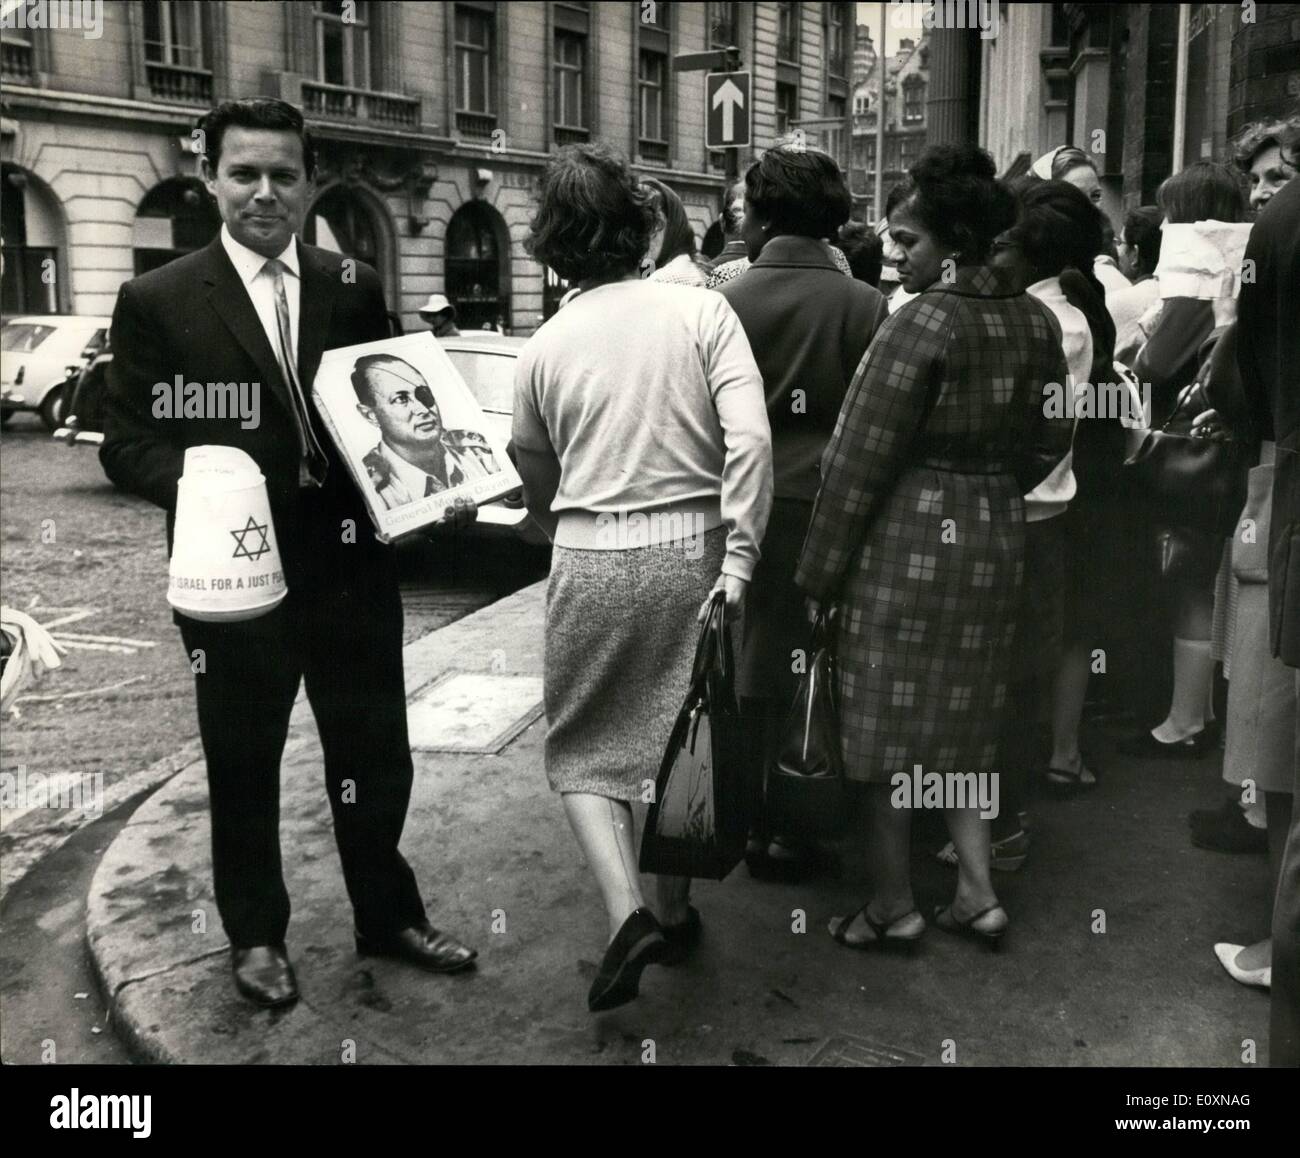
[313, 464]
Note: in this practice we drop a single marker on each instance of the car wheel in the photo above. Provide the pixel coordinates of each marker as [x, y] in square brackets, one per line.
[52, 410]
[5, 416]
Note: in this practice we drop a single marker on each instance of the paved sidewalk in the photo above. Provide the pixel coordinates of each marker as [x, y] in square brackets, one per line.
[494, 854]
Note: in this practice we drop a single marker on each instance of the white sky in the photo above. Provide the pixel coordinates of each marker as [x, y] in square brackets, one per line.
[869, 14]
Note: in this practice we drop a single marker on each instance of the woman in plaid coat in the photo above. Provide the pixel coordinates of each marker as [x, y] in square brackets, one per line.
[918, 530]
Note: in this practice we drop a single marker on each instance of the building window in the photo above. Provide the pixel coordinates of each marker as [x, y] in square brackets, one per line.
[175, 218]
[653, 123]
[836, 107]
[570, 80]
[913, 102]
[724, 25]
[343, 42]
[787, 108]
[475, 61]
[787, 32]
[173, 33]
[474, 267]
[837, 59]
[31, 259]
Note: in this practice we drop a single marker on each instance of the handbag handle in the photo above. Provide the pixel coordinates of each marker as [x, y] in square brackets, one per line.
[710, 649]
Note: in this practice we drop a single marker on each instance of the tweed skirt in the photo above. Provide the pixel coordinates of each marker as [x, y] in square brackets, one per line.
[620, 639]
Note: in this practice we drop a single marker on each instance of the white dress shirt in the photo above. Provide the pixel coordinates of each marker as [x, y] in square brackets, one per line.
[261, 288]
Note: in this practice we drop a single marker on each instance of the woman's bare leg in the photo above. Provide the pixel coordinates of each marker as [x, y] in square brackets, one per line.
[607, 838]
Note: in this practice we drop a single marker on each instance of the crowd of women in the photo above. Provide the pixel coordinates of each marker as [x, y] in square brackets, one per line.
[858, 422]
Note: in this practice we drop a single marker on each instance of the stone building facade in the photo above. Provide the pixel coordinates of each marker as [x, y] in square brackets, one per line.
[432, 123]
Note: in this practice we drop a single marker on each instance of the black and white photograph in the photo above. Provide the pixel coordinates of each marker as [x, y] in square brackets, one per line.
[411, 433]
[648, 535]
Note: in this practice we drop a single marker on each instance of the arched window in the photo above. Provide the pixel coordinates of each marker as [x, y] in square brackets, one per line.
[175, 218]
[350, 220]
[478, 266]
[340, 222]
[33, 236]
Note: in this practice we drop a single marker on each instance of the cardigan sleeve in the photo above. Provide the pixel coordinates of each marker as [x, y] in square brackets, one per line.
[877, 426]
[736, 386]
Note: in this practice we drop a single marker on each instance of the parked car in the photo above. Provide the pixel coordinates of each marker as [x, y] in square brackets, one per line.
[486, 360]
[39, 354]
[83, 408]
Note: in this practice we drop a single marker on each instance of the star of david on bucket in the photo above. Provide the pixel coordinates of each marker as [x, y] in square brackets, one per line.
[242, 551]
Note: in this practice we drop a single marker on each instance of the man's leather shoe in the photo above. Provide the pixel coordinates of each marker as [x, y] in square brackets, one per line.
[1227, 830]
[264, 976]
[420, 945]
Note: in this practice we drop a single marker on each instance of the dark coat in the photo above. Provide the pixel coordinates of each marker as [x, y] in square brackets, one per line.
[1268, 355]
[194, 317]
[919, 528]
[808, 326]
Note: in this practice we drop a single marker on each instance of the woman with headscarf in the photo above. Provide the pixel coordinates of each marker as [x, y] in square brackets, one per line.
[1073, 166]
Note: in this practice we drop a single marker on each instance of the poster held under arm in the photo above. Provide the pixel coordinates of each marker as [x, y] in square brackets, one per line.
[408, 428]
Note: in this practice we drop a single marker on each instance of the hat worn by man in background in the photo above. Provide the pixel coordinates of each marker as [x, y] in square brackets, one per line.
[440, 316]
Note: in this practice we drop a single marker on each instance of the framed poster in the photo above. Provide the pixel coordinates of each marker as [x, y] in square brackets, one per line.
[410, 432]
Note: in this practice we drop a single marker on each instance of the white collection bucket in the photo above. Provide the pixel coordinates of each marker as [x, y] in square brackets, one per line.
[225, 563]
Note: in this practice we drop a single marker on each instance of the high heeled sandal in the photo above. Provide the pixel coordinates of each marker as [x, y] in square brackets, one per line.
[881, 938]
[991, 938]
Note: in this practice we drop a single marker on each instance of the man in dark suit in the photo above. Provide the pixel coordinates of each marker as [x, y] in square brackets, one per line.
[1268, 355]
[257, 306]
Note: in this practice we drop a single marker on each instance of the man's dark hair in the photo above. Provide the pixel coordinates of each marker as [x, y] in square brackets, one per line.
[799, 191]
[1261, 135]
[594, 218]
[679, 237]
[255, 113]
[953, 191]
[865, 251]
[1204, 191]
[1142, 232]
[361, 378]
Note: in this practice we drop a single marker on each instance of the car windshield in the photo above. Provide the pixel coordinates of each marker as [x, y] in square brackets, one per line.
[489, 376]
[23, 337]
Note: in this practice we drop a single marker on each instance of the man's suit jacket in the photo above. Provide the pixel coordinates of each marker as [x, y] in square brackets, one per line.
[193, 317]
[1268, 354]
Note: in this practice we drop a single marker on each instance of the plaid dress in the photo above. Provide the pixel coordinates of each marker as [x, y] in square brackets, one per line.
[918, 530]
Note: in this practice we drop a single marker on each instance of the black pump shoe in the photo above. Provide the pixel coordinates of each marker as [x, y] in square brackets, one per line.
[640, 942]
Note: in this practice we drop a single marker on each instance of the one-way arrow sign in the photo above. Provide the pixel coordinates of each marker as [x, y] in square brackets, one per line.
[727, 106]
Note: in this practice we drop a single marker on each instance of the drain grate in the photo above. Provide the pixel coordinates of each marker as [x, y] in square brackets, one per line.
[472, 712]
[847, 1050]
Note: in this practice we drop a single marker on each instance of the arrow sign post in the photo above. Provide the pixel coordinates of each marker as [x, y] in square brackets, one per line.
[727, 109]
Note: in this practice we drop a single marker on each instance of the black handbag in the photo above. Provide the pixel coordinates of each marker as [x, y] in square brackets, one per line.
[696, 825]
[1193, 482]
[804, 786]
